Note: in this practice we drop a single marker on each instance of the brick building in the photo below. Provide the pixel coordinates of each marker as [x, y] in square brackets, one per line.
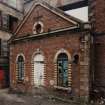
[9, 17]
[50, 49]
[96, 18]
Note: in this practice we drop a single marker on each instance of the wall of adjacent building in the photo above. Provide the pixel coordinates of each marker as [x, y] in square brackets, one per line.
[96, 17]
[9, 18]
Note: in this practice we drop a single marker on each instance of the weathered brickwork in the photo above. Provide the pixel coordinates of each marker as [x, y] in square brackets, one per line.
[100, 62]
[49, 46]
[98, 31]
[99, 15]
[96, 15]
[71, 42]
[46, 17]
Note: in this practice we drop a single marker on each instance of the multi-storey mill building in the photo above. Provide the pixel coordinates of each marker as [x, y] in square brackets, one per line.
[10, 13]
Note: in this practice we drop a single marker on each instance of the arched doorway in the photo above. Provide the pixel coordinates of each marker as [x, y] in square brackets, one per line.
[39, 70]
[62, 70]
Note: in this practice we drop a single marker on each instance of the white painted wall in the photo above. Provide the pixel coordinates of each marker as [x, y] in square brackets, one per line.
[80, 13]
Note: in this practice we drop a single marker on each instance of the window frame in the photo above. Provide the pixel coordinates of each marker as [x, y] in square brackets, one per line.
[20, 68]
[35, 31]
[64, 71]
[5, 21]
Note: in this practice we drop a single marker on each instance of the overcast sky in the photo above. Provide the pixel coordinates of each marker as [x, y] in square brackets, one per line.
[81, 13]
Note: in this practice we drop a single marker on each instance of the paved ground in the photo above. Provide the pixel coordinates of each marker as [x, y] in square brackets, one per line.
[17, 99]
[7, 98]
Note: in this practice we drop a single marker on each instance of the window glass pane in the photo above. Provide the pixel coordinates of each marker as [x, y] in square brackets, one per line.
[62, 70]
[5, 20]
[4, 48]
[20, 68]
[65, 65]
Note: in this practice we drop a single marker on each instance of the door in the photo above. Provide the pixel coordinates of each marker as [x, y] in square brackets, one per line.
[39, 70]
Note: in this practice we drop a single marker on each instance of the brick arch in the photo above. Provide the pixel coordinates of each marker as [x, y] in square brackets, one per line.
[62, 51]
[69, 67]
[21, 54]
[38, 51]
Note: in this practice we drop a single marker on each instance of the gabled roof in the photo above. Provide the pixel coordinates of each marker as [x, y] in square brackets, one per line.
[56, 11]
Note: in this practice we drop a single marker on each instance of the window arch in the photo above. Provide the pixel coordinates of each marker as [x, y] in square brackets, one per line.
[38, 27]
[62, 70]
[20, 67]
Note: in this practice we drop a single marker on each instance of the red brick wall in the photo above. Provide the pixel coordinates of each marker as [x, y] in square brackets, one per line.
[100, 61]
[50, 20]
[99, 15]
[99, 41]
[50, 46]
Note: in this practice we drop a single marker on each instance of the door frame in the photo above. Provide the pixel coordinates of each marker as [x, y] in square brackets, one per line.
[39, 72]
[38, 51]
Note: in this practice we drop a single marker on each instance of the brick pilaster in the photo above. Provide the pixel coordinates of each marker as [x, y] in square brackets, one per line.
[85, 66]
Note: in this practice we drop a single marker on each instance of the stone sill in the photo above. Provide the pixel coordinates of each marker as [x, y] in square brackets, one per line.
[63, 88]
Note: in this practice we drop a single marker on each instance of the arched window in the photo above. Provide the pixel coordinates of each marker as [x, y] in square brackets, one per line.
[20, 68]
[62, 70]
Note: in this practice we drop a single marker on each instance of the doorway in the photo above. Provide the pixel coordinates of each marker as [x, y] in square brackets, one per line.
[39, 70]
